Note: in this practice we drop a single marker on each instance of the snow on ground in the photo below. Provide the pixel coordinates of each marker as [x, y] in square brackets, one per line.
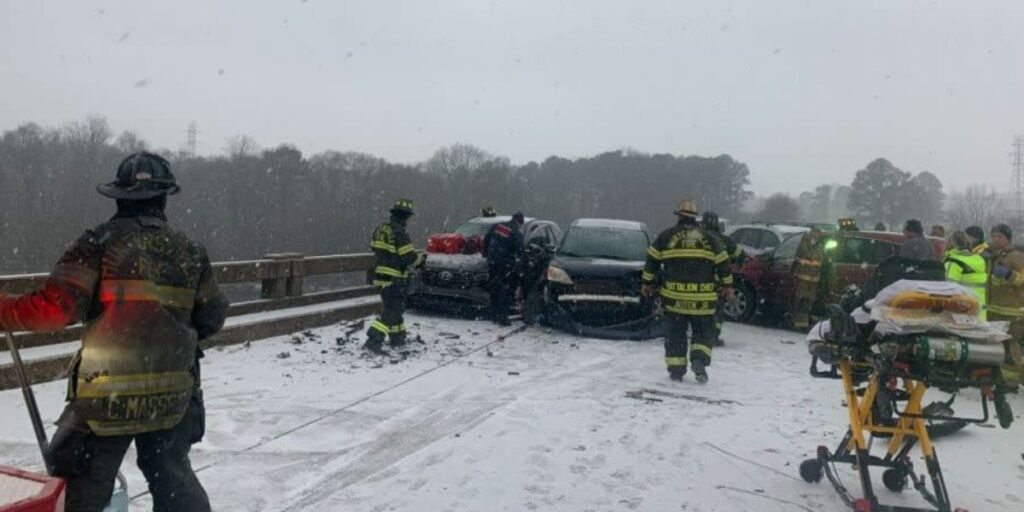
[540, 421]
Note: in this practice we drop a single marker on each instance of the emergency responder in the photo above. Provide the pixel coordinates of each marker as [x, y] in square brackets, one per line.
[712, 227]
[692, 269]
[916, 246]
[147, 296]
[1006, 293]
[966, 268]
[881, 227]
[488, 211]
[505, 252]
[938, 231]
[395, 257]
[978, 245]
[808, 272]
[848, 225]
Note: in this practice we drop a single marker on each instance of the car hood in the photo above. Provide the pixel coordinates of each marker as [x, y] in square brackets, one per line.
[596, 267]
[456, 262]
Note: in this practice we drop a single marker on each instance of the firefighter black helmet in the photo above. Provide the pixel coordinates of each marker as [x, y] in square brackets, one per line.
[709, 220]
[141, 175]
[403, 207]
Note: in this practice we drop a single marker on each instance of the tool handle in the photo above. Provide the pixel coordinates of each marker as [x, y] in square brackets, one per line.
[30, 403]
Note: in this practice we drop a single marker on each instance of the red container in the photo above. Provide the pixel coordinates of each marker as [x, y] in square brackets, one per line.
[448, 243]
[21, 491]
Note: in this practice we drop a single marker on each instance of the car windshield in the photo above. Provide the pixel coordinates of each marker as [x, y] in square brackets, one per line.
[474, 228]
[598, 242]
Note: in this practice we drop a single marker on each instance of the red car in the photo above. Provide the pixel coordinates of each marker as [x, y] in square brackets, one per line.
[766, 283]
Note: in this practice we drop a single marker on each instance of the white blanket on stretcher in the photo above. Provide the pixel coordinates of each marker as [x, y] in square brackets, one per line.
[878, 310]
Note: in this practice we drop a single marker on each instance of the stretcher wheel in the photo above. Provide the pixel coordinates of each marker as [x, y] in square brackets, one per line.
[1003, 411]
[811, 471]
[894, 479]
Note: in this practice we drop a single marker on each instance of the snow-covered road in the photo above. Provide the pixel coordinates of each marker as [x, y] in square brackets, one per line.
[540, 421]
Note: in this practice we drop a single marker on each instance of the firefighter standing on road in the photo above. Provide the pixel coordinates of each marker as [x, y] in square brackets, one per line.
[147, 296]
[505, 252]
[395, 256]
[713, 228]
[808, 271]
[1006, 294]
[690, 266]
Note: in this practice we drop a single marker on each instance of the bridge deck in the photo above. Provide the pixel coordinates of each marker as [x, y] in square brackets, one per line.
[540, 421]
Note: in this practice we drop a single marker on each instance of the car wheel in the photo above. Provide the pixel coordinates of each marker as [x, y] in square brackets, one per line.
[744, 306]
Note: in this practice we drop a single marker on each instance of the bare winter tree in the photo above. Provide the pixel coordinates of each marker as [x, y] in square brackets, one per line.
[459, 158]
[129, 142]
[241, 146]
[976, 205]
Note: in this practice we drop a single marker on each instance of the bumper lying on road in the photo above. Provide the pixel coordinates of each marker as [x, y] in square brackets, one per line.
[609, 316]
[598, 299]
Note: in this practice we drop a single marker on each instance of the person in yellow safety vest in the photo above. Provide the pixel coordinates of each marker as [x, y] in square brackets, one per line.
[808, 277]
[1006, 295]
[966, 268]
[693, 270]
[395, 258]
[978, 245]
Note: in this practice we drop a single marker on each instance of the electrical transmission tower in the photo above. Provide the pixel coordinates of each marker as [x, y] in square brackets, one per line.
[190, 141]
[1017, 182]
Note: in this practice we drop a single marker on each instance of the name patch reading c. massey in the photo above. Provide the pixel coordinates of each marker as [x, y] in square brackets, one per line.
[145, 407]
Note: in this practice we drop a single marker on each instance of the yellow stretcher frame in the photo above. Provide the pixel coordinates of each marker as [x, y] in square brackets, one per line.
[908, 431]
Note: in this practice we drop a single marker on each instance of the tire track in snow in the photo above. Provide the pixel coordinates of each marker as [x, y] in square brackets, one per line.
[407, 439]
[264, 442]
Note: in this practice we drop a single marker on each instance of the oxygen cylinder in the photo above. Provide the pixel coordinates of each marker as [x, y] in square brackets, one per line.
[960, 351]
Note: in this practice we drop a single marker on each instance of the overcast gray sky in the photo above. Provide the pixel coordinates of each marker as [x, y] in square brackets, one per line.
[804, 92]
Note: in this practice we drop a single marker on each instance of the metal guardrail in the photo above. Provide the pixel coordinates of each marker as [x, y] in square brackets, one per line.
[281, 277]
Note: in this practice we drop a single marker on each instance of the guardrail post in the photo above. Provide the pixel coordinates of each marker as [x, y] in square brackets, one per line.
[293, 287]
[275, 285]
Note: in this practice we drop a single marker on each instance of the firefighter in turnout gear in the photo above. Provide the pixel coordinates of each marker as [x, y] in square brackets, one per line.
[808, 271]
[712, 227]
[395, 258]
[146, 295]
[505, 251]
[1006, 295]
[692, 269]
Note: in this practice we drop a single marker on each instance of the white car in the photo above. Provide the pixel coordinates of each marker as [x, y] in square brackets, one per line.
[755, 239]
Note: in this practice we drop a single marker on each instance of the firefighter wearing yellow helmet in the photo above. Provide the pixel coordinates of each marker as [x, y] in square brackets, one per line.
[689, 267]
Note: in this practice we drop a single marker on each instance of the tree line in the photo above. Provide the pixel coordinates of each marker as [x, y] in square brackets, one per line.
[250, 202]
[882, 193]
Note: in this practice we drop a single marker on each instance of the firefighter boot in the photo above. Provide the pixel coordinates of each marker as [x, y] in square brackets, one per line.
[700, 372]
[374, 344]
[676, 373]
[399, 342]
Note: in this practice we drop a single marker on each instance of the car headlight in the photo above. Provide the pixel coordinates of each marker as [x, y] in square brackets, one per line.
[557, 275]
